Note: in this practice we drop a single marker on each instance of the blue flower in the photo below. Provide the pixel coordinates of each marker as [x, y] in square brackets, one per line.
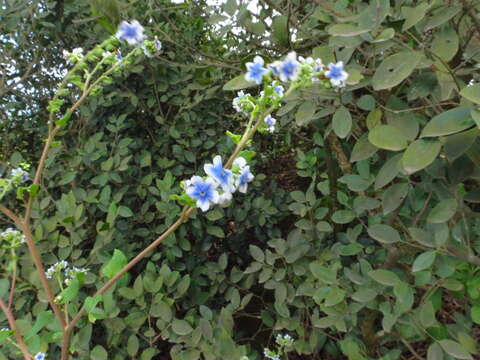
[222, 176]
[279, 89]
[119, 55]
[336, 74]
[245, 177]
[270, 121]
[130, 32]
[288, 69]
[255, 70]
[40, 356]
[22, 174]
[203, 191]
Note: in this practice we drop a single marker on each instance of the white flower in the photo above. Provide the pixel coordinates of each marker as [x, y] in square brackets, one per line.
[336, 74]
[270, 121]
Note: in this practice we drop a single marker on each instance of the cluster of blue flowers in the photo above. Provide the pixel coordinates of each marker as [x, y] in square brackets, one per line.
[220, 183]
[291, 69]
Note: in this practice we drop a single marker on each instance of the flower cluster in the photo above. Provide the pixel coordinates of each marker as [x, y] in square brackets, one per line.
[294, 69]
[69, 272]
[270, 354]
[13, 237]
[74, 56]
[220, 184]
[284, 340]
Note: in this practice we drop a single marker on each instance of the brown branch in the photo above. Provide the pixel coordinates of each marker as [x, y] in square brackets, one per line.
[12, 287]
[13, 326]
[342, 158]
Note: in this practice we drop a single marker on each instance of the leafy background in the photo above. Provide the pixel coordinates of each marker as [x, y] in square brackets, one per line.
[361, 225]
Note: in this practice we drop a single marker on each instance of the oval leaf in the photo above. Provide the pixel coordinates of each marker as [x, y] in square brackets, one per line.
[342, 122]
[394, 69]
[420, 154]
[387, 137]
[384, 233]
[449, 122]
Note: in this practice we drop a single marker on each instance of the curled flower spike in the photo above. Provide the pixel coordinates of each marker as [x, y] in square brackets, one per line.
[220, 175]
[336, 74]
[132, 33]
[203, 191]
[39, 356]
[288, 69]
[255, 70]
[270, 121]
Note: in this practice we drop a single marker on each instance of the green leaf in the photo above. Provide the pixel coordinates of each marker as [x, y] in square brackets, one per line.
[475, 314]
[424, 261]
[387, 137]
[443, 211]
[445, 44]
[471, 93]
[44, 318]
[384, 233]
[456, 145]
[364, 295]
[216, 231]
[388, 171]
[441, 16]
[434, 352]
[449, 122]
[124, 211]
[335, 297]
[420, 154]
[343, 216]
[238, 83]
[342, 122]
[70, 292]
[385, 35]
[454, 349]
[404, 295]
[413, 15]
[257, 253]
[280, 30]
[384, 277]
[427, 314]
[305, 113]
[362, 149]
[393, 197]
[181, 327]
[323, 273]
[98, 353]
[346, 30]
[116, 263]
[394, 69]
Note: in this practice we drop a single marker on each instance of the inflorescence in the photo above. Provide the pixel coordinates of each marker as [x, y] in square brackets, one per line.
[68, 272]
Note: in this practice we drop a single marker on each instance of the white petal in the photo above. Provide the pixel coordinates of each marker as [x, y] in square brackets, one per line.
[217, 160]
[208, 169]
[196, 179]
[258, 60]
[215, 197]
[240, 162]
[204, 205]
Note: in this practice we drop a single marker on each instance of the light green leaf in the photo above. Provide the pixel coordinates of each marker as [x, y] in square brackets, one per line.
[471, 93]
[387, 137]
[343, 216]
[443, 211]
[305, 113]
[384, 233]
[181, 327]
[117, 262]
[388, 171]
[257, 253]
[424, 261]
[280, 30]
[384, 277]
[342, 122]
[420, 154]
[449, 122]
[454, 349]
[238, 83]
[394, 69]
